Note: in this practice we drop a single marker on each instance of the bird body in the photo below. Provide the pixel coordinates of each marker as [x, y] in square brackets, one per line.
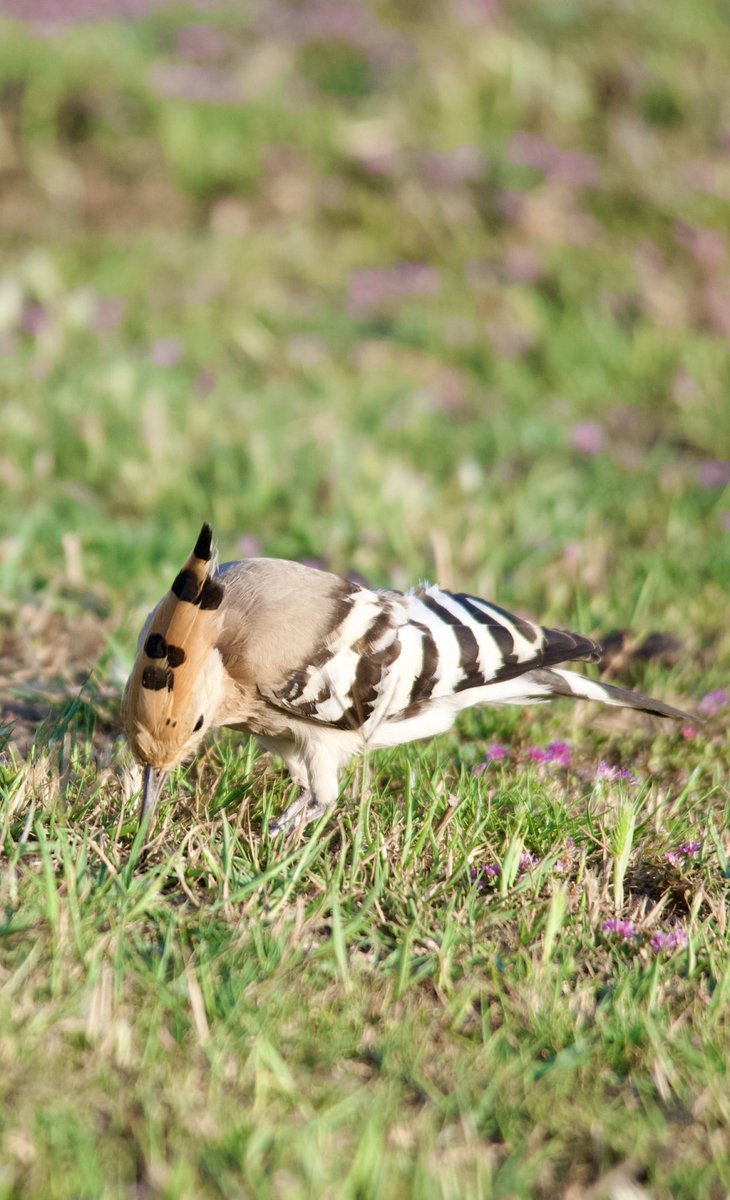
[319, 669]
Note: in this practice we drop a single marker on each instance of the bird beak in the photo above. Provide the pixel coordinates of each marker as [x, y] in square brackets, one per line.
[152, 786]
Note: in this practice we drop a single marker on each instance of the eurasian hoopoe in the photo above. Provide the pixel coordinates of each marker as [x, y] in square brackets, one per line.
[319, 669]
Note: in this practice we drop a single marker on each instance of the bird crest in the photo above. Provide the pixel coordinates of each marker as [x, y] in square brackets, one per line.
[178, 637]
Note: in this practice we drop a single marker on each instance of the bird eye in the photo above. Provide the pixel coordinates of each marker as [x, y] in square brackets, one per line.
[198, 724]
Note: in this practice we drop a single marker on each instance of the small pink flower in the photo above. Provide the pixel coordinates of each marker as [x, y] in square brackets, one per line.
[613, 774]
[491, 871]
[445, 168]
[673, 939]
[528, 861]
[495, 753]
[589, 437]
[624, 929]
[374, 286]
[35, 319]
[166, 352]
[714, 473]
[571, 167]
[202, 42]
[556, 752]
[689, 732]
[108, 313]
[678, 856]
[713, 702]
[560, 753]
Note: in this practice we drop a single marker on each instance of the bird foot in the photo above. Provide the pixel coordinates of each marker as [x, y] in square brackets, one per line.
[300, 812]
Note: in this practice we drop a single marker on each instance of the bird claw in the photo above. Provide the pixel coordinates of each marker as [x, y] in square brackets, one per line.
[300, 812]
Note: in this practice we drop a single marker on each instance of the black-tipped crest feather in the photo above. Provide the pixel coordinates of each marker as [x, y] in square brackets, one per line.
[183, 631]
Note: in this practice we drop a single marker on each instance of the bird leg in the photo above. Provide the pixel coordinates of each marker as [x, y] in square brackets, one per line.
[316, 800]
[287, 819]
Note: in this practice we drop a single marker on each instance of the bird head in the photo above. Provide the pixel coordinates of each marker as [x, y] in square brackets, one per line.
[177, 680]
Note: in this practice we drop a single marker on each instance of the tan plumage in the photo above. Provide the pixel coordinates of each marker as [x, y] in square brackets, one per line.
[319, 669]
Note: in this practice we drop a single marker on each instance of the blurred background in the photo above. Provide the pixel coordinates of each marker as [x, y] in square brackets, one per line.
[417, 289]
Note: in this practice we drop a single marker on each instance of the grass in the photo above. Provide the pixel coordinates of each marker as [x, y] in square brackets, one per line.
[308, 278]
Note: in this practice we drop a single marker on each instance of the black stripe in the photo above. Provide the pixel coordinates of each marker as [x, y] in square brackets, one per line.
[185, 586]
[211, 594]
[503, 638]
[425, 681]
[524, 627]
[468, 659]
[380, 626]
[364, 691]
[468, 644]
[364, 694]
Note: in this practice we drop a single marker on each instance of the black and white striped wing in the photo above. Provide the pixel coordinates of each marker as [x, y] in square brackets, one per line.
[345, 681]
[476, 643]
[391, 656]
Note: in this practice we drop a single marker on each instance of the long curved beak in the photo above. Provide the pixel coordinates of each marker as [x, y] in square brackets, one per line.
[153, 783]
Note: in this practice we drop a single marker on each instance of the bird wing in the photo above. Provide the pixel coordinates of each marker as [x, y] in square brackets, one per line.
[391, 655]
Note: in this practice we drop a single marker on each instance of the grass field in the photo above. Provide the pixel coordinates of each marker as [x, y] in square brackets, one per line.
[432, 290]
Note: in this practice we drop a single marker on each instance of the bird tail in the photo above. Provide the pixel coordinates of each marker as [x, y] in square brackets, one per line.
[558, 682]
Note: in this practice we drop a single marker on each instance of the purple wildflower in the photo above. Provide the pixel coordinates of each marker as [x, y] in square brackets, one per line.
[570, 167]
[193, 81]
[108, 313]
[714, 473]
[673, 939]
[589, 437]
[491, 871]
[625, 929]
[166, 352]
[560, 753]
[713, 702]
[705, 245]
[202, 42]
[613, 774]
[678, 856]
[556, 752]
[522, 264]
[372, 287]
[35, 318]
[495, 753]
[528, 861]
[445, 168]
[53, 16]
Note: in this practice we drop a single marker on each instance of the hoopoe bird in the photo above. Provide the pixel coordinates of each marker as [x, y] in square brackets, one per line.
[319, 669]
